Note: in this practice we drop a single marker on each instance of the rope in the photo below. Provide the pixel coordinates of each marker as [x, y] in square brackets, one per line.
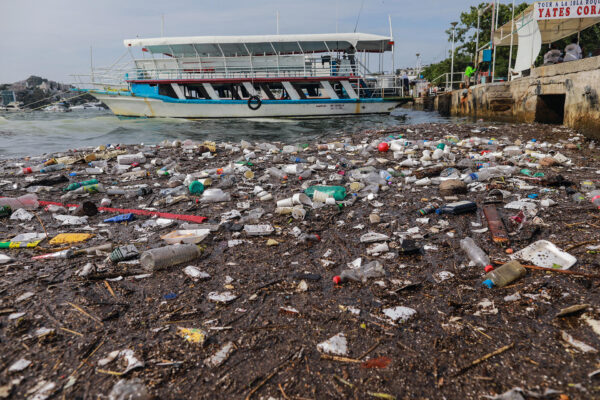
[46, 105]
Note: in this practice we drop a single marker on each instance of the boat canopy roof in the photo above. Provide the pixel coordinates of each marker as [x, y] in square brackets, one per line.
[229, 46]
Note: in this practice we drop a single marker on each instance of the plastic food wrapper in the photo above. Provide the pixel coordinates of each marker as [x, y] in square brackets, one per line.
[545, 254]
[192, 335]
[64, 238]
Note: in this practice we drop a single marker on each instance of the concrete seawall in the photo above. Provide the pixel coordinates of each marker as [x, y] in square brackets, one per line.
[560, 94]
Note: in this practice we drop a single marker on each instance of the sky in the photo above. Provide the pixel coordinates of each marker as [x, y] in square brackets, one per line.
[52, 39]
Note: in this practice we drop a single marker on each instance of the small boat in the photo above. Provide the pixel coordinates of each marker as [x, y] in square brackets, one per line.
[58, 107]
[88, 107]
[11, 107]
[315, 75]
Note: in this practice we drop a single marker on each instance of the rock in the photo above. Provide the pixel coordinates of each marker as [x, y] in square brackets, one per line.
[453, 186]
[548, 162]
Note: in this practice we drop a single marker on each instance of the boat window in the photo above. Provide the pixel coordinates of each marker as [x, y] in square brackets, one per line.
[166, 90]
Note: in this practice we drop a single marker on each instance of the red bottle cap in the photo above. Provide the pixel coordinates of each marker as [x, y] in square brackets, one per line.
[318, 237]
[489, 268]
[135, 164]
[337, 279]
[27, 170]
[383, 147]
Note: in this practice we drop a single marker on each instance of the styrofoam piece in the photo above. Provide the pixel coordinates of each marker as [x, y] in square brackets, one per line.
[189, 236]
[545, 254]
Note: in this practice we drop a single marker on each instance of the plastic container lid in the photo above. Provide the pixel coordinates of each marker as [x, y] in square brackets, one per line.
[488, 283]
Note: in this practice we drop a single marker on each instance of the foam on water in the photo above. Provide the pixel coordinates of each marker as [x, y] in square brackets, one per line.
[35, 133]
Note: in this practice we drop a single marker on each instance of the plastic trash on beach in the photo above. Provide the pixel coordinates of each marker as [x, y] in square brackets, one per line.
[336, 345]
[399, 314]
[132, 389]
[545, 254]
[192, 236]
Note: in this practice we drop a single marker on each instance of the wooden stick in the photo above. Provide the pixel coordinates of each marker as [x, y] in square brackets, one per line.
[272, 374]
[340, 359]
[81, 310]
[87, 358]
[283, 392]
[579, 245]
[561, 271]
[366, 353]
[109, 289]
[41, 223]
[70, 331]
[486, 357]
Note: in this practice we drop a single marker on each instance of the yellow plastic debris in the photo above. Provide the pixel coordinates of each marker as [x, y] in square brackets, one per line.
[63, 238]
[192, 335]
[272, 242]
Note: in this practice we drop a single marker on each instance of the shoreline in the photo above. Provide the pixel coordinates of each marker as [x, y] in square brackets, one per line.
[269, 303]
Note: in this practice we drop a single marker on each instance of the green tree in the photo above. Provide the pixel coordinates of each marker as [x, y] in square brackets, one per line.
[466, 39]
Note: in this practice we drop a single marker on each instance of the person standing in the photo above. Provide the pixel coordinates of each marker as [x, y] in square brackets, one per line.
[573, 51]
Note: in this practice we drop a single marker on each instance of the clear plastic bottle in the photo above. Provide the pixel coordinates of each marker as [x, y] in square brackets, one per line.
[168, 256]
[126, 159]
[52, 168]
[474, 252]
[28, 202]
[373, 269]
[277, 173]
[504, 275]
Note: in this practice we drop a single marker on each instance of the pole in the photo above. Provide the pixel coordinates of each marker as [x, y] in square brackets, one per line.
[91, 64]
[477, 44]
[162, 25]
[452, 62]
[512, 39]
[278, 22]
[495, 25]
[393, 45]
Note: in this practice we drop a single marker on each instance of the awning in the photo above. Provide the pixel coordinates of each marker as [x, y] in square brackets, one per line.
[204, 46]
[551, 30]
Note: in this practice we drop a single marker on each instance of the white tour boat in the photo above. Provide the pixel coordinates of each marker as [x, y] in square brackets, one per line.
[311, 75]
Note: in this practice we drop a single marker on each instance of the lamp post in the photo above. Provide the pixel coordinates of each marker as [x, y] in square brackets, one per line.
[452, 63]
[418, 65]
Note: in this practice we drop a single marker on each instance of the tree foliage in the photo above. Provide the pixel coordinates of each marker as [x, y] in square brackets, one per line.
[466, 39]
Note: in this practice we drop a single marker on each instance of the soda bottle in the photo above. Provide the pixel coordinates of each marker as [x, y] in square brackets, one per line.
[429, 209]
[596, 198]
[504, 275]
[460, 207]
[164, 257]
[474, 252]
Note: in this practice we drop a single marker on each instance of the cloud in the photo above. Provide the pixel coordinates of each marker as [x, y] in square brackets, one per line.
[53, 38]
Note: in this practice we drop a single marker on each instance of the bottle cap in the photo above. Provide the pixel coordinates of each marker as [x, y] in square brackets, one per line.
[488, 283]
[489, 268]
[337, 279]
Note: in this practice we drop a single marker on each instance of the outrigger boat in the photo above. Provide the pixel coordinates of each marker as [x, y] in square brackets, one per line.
[312, 75]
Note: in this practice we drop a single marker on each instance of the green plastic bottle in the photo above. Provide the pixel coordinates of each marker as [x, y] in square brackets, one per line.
[337, 192]
[196, 187]
[77, 185]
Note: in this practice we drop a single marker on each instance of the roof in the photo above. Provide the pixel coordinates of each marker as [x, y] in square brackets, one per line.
[551, 30]
[193, 46]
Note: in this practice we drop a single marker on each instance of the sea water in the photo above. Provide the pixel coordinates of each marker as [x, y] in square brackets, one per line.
[35, 133]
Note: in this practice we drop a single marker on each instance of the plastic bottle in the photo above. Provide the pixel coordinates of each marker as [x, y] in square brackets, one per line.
[429, 209]
[28, 202]
[126, 159]
[277, 173]
[94, 188]
[578, 197]
[474, 252]
[596, 198]
[76, 185]
[504, 275]
[5, 211]
[121, 218]
[164, 257]
[337, 192]
[178, 191]
[215, 196]
[460, 207]
[53, 167]
[305, 237]
[373, 269]
[297, 160]
[123, 253]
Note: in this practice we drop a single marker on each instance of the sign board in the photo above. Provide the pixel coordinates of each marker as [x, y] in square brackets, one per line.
[545, 10]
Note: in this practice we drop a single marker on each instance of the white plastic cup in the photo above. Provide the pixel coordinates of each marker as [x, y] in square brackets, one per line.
[320, 197]
[286, 203]
[298, 213]
[301, 199]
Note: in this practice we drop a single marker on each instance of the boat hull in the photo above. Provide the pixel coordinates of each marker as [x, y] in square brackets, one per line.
[134, 106]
